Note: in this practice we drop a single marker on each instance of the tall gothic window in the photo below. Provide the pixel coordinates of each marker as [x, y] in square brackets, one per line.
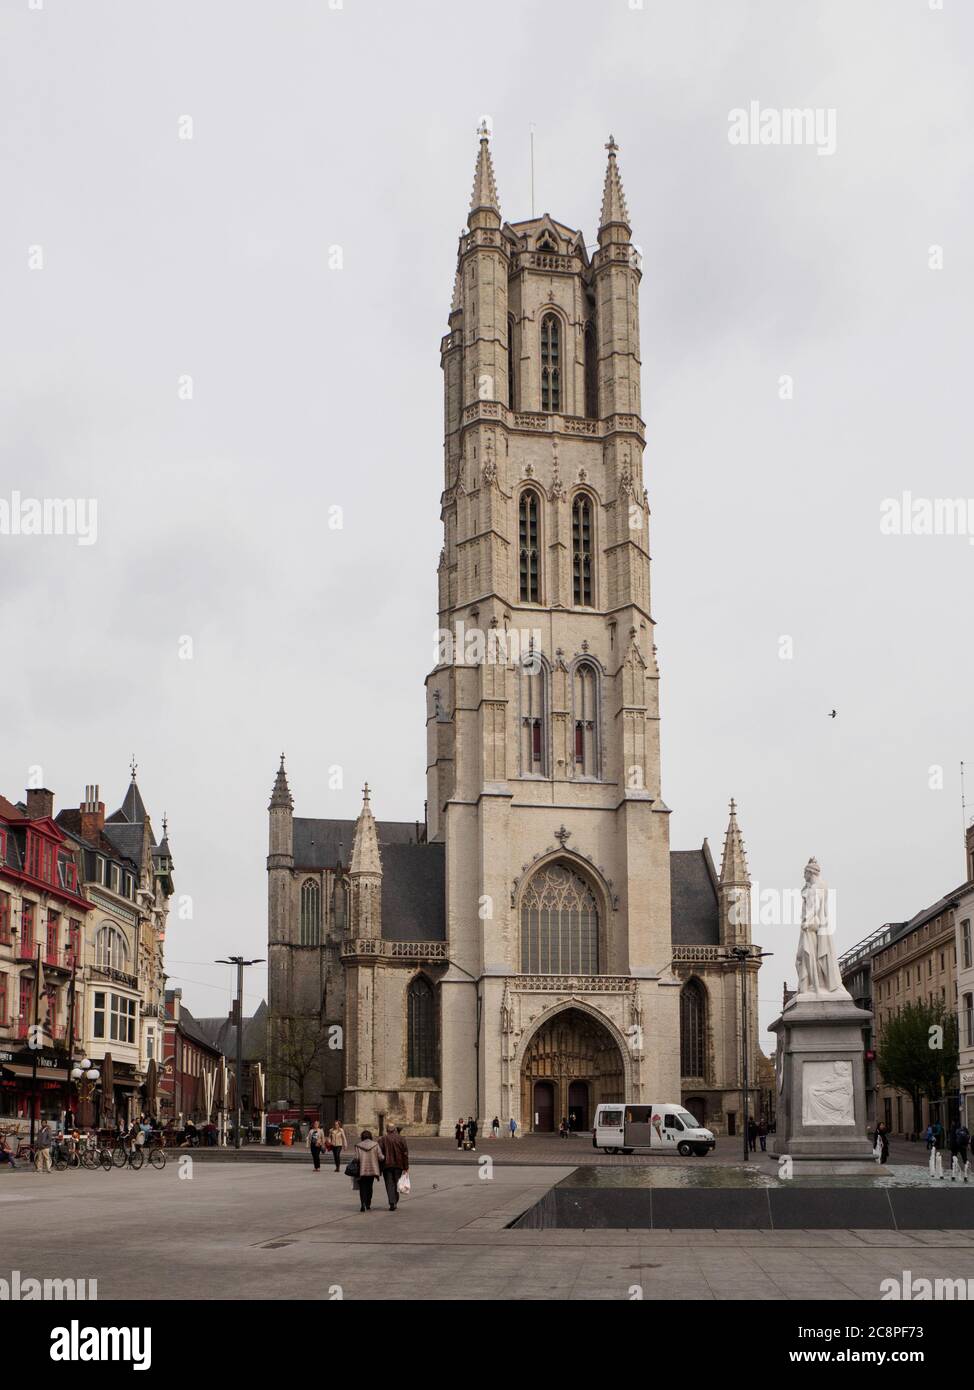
[559, 924]
[693, 1016]
[510, 363]
[310, 913]
[528, 511]
[582, 550]
[111, 949]
[551, 363]
[585, 717]
[534, 718]
[420, 1028]
[591, 374]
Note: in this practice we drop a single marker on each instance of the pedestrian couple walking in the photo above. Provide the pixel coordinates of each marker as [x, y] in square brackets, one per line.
[387, 1157]
[335, 1142]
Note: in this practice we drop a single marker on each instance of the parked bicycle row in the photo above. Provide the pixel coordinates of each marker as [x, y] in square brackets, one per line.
[76, 1149]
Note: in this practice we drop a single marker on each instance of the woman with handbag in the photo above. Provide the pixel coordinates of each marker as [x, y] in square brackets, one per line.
[316, 1142]
[367, 1160]
[337, 1139]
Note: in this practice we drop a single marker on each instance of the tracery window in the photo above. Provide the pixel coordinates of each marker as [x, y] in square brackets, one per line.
[559, 924]
[534, 718]
[693, 1015]
[511, 381]
[582, 550]
[420, 1028]
[310, 913]
[111, 949]
[591, 374]
[551, 363]
[530, 580]
[585, 717]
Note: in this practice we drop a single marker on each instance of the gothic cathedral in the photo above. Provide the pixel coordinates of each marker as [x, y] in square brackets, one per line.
[533, 946]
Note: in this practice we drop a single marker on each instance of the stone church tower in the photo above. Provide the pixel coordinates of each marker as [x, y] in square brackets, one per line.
[559, 954]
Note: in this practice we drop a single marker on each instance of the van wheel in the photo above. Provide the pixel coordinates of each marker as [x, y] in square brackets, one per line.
[684, 1149]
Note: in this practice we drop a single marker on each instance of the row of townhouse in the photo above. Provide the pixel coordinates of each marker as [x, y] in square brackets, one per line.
[928, 959]
[84, 900]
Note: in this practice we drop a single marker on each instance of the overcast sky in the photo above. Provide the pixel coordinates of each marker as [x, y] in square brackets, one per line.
[314, 387]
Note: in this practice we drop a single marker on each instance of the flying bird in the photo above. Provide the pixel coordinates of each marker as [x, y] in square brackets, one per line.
[831, 716]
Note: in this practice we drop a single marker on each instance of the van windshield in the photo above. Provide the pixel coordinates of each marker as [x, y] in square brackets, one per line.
[689, 1120]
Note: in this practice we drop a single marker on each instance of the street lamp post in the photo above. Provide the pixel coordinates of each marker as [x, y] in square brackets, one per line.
[239, 962]
[742, 954]
[85, 1076]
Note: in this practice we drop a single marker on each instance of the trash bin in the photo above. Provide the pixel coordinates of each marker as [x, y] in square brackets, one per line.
[287, 1135]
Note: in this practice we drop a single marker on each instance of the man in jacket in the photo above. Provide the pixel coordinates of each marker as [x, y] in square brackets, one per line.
[42, 1152]
[395, 1162]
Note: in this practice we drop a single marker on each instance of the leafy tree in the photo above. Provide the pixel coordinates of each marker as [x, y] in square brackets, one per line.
[918, 1052]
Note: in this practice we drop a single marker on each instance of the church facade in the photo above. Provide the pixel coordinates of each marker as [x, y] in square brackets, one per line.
[533, 946]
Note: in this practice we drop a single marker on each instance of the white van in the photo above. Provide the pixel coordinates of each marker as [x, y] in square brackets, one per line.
[665, 1127]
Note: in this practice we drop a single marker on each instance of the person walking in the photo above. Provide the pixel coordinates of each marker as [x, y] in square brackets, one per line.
[472, 1132]
[42, 1155]
[882, 1139]
[959, 1139]
[752, 1133]
[938, 1134]
[337, 1138]
[763, 1136]
[513, 1127]
[563, 1127]
[316, 1142]
[394, 1153]
[495, 1128]
[459, 1132]
[367, 1153]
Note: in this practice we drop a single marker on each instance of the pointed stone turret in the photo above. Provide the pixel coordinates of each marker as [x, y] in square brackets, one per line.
[281, 794]
[735, 886]
[614, 219]
[484, 206]
[365, 874]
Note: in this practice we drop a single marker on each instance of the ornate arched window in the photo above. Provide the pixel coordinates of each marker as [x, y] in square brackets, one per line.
[693, 1019]
[551, 363]
[559, 924]
[534, 717]
[310, 913]
[591, 374]
[111, 948]
[511, 380]
[529, 509]
[420, 1028]
[585, 719]
[582, 550]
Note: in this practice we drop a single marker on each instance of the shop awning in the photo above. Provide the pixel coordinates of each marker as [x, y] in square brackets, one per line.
[43, 1073]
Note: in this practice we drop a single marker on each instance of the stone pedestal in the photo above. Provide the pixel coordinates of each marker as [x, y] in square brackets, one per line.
[821, 1112]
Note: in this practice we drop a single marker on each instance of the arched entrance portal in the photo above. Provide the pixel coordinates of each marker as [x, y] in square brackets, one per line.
[572, 1064]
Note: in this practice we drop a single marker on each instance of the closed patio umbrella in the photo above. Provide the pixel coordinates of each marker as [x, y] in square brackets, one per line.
[151, 1086]
[107, 1092]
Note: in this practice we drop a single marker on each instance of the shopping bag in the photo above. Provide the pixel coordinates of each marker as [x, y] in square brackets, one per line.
[403, 1186]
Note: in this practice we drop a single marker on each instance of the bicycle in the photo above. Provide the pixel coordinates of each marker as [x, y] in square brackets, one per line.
[157, 1157]
[131, 1157]
[63, 1157]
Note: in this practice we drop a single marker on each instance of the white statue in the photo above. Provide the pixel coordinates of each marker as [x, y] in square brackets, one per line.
[818, 968]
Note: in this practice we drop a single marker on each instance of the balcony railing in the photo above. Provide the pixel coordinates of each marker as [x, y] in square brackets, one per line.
[26, 949]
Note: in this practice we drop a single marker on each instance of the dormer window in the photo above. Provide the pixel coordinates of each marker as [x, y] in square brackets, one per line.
[546, 243]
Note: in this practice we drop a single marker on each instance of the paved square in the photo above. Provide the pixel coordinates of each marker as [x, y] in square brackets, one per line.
[279, 1230]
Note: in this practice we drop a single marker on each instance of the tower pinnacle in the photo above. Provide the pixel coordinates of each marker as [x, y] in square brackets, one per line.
[281, 795]
[484, 195]
[614, 210]
[733, 866]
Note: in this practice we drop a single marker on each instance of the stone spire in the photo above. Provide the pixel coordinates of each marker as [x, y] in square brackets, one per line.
[733, 866]
[365, 874]
[484, 196]
[614, 210]
[281, 795]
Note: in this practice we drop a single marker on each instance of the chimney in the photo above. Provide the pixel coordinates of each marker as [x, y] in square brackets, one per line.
[92, 814]
[40, 803]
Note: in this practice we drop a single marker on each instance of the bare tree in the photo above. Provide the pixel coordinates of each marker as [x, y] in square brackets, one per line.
[300, 1044]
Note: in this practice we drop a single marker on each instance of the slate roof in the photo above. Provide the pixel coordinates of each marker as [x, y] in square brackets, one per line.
[220, 1033]
[315, 843]
[694, 912]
